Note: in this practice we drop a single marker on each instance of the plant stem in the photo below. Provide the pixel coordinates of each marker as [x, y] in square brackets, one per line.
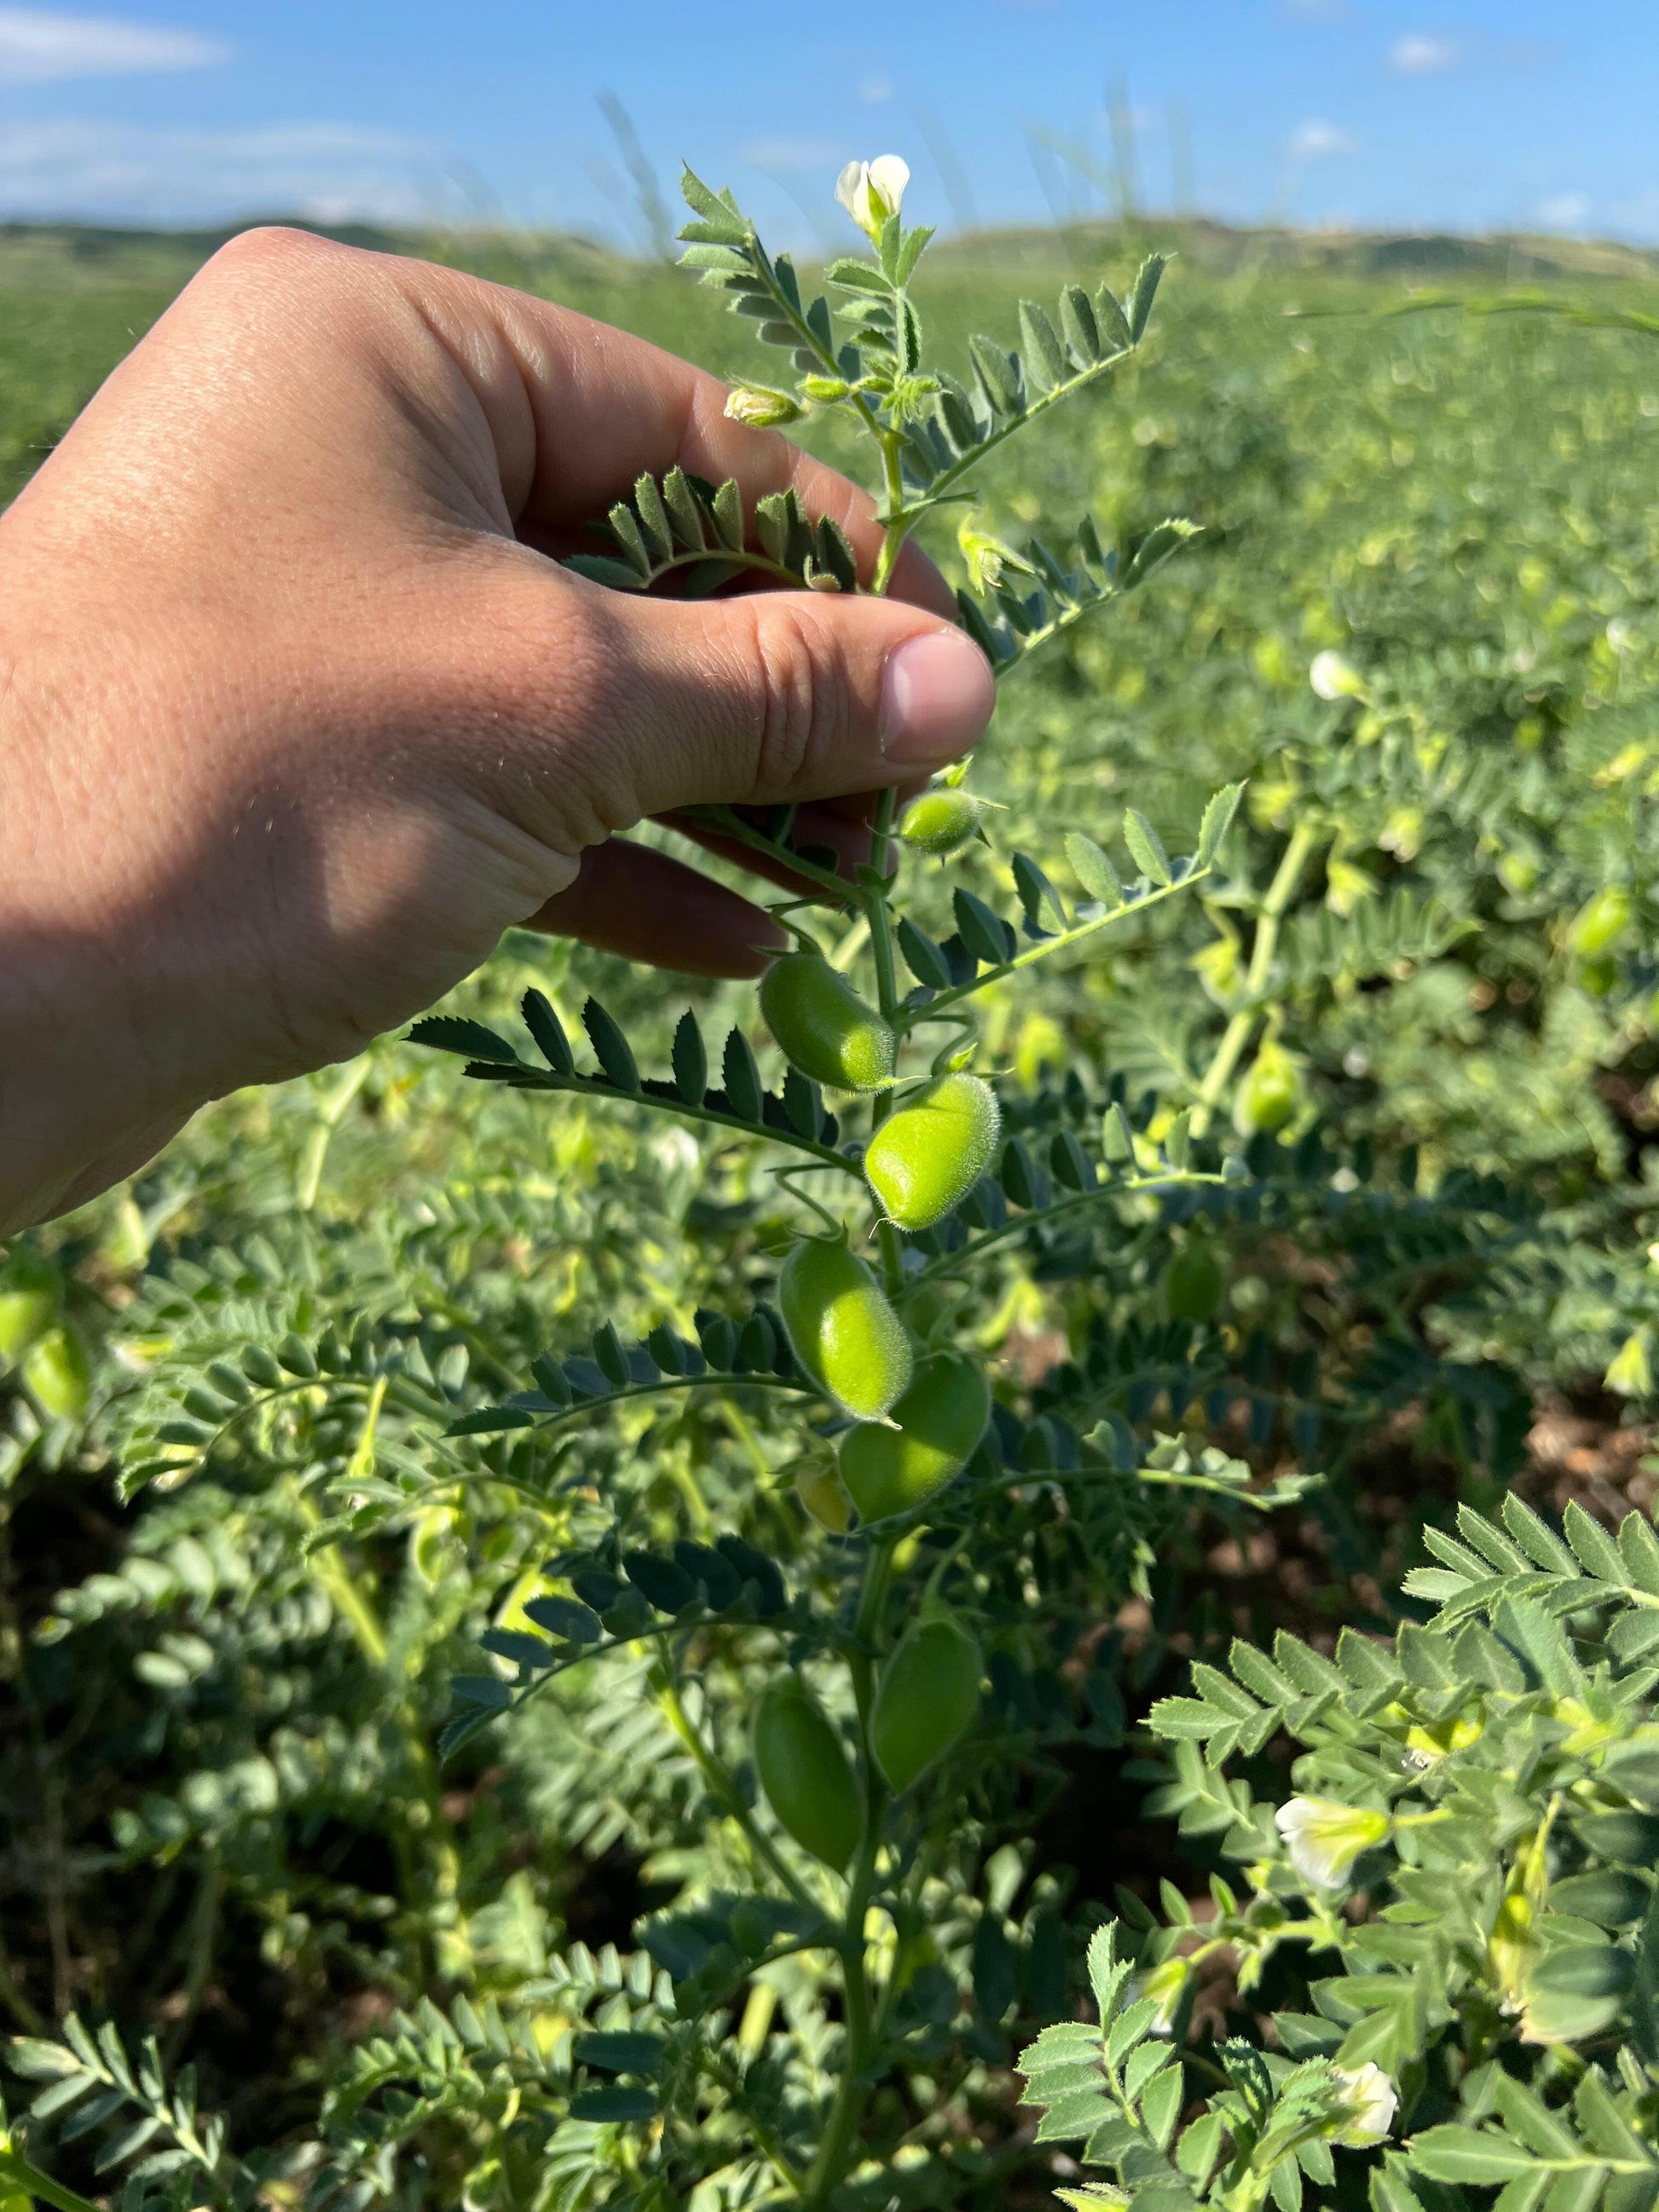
[858, 2050]
[1236, 1035]
[30, 2178]
[330, 1116]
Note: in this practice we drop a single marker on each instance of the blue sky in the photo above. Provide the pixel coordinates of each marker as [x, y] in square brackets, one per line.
[1515, 115]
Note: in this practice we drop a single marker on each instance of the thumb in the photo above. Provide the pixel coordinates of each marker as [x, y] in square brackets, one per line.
[774, 698]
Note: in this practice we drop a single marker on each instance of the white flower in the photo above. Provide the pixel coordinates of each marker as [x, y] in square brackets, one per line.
[1372, 2101]
[1332, 677]
[1324, 1838]
[871, 191]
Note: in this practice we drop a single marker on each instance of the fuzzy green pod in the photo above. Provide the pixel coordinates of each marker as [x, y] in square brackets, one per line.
[843, 1329]
[940, 1417]
[803, 1773]
[1270, 1093]
[927, 1698]
[939, 822]
[56, 1371]
[30, 1295]
[825, 1029]
[925, 1159]
[1600, 922]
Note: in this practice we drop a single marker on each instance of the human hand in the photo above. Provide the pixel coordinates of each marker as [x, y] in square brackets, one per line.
[298, 715]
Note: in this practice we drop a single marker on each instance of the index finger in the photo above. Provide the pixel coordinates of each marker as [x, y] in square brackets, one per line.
[580, 409]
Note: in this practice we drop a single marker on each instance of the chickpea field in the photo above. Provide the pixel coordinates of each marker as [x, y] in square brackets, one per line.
[480, 1729]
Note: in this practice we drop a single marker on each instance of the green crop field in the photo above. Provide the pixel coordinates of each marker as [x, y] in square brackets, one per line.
[240, 1569]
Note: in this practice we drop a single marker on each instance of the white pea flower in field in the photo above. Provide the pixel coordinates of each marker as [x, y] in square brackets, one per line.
[1332, 677]
[1373, 2102]
[871, 191]
[1324, 1838]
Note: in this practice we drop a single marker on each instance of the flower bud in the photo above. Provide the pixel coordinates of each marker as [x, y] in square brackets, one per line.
[762, 408]
[825, 391]
[870, 191]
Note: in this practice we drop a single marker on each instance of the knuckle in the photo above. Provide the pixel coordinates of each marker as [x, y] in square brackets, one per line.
[800, 699]
[268, 249]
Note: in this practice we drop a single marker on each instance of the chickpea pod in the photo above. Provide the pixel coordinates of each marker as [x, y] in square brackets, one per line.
[925, 1158]
[803, 1773]
[925, 1699]
[1270, 1093]
[940, 822]
[843, 1329]
[826, 1030]
[940, 1420]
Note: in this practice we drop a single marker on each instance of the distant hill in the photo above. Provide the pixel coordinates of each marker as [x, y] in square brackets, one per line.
[80, 254]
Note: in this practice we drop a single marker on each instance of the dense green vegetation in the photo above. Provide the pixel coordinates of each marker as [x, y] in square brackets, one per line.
[242, 1568]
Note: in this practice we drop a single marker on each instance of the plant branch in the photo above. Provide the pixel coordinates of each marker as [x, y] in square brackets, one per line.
[1062, 942]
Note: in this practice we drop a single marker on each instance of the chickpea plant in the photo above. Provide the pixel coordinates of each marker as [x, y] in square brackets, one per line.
[872, 1720]
[867, 1731]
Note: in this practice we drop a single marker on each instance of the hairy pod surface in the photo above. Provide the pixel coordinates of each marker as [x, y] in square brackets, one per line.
[940, 821]
[803, 1773]
[30, 1294]
[927, 1695]
[842, 1327]
[56, 1370]
[925, 1159]
[824, 1027]
[1270, 1093]
[941, 1419]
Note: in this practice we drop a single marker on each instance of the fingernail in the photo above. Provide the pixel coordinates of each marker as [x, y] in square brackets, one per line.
[937, 693]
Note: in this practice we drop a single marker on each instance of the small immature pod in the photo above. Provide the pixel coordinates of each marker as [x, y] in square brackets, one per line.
[940, 821]
[821, 1491]
[1600, 922]
[804, 1772]
[825, 1029]
[56, 1370]
[925, 1157]
[941, 1419]
[30, 1295]
[1270, 1093]
[927, 1695]
[843, 1329]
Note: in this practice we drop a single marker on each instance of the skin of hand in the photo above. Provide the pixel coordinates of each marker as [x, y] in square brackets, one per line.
[297, 713]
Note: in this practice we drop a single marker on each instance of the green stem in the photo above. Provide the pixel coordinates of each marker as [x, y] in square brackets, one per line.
[1061, 943]
[1236, 1035]
[854, 2088]
[330, 1116]
[535, 1078]
[30, 2178]
[954, 474]
[1019, 1225]
[898, 529]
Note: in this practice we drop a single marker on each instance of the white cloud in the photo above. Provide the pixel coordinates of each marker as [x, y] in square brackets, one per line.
[876, 89]
[130, 173]
[38, 46]
[1418, 55]
[1320, 141]
[1565, 211]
